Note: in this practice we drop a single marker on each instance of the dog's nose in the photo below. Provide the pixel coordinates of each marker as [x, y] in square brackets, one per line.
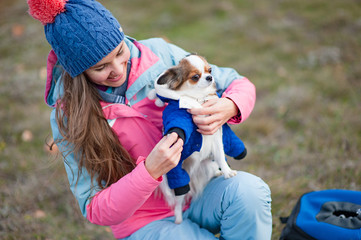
[209, 78]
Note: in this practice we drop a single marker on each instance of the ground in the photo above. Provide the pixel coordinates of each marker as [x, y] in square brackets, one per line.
[303, 135]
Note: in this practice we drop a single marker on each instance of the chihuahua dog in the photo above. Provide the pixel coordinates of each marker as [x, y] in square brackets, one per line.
[190, 84]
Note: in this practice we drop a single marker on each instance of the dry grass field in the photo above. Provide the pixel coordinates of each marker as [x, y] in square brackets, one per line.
[304, 134]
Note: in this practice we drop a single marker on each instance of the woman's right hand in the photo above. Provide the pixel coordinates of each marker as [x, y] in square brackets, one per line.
[164, 156]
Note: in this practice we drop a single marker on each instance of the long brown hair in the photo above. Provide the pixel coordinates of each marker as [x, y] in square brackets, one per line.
[87, 133]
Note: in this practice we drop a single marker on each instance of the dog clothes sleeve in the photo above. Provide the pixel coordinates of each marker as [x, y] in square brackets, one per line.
[179, 120]
[174, 117]
[233, 145]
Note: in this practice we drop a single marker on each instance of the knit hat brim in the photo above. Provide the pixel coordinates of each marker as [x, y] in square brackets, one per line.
[83, 34]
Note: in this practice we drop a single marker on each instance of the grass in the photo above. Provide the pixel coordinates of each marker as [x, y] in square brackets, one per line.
[303, 135]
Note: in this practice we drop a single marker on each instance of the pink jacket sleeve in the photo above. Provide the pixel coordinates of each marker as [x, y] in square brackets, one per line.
[120, 200]
[243, 93]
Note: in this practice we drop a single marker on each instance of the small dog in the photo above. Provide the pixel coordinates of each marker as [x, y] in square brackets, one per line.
[191, 83]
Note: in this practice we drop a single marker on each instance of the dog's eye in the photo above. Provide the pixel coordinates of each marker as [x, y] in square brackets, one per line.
[195, 77]
[210, 70]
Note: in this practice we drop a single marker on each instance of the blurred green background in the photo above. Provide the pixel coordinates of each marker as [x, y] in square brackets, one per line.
[303, 135]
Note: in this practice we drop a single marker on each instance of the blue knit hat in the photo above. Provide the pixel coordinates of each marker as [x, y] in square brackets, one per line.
[81, 32]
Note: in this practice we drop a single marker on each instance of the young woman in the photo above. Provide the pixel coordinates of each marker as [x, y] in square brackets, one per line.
[110, 133]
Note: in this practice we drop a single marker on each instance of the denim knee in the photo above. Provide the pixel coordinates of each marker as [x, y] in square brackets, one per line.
[247, 208]
[250, 189]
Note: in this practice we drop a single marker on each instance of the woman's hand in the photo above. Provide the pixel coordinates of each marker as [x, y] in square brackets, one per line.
[213, 115]
[164, 156]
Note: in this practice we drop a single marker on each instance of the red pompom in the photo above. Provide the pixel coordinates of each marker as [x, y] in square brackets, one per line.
[46, 10]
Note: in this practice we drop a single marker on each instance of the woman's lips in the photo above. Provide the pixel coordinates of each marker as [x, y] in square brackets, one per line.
[116, 79]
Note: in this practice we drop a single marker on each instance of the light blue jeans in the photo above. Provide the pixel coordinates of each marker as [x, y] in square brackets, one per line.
[237, 208]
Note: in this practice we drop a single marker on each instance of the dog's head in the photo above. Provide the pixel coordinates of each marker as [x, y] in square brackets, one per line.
[192, 72]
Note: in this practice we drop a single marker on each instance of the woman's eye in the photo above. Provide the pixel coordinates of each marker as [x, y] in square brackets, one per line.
[99, 68]
[120, 52]
[195, 77]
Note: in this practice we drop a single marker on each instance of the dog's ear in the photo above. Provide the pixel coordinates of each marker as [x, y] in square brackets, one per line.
[172, 77]
[163, 79]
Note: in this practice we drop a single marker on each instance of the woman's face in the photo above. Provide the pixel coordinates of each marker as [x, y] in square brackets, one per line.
[111, 71]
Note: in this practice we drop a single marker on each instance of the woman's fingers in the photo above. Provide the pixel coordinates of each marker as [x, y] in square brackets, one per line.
[209, 129]
[207, 119]
[213, 114]
[165, 155]
[168, 140]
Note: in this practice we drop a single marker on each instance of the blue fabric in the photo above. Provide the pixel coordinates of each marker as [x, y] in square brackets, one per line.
[311, 204]
[175, 117]
[83, 35]
[232, 144]
[237, 208]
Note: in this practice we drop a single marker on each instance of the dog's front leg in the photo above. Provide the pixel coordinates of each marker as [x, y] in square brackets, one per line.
[178, 209]
[220, 157]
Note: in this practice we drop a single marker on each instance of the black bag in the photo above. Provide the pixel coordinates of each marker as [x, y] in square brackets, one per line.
[325, 215]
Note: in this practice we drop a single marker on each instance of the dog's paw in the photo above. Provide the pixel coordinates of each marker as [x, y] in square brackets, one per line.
[218, 173]
[159, 103]
[152, 95]
[178, 219]
[230, 173]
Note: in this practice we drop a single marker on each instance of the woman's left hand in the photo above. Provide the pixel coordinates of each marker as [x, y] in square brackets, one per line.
[213, 115]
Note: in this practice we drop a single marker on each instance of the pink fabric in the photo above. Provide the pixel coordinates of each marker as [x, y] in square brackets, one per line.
[52, 58]
[137, 133]
[113, 207]
[243, 94]
[140, 65]
[46, 10]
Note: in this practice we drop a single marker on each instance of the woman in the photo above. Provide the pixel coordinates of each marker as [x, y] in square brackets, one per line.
[110, 133]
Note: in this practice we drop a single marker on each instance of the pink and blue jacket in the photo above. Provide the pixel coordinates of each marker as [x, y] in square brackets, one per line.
[131, 202]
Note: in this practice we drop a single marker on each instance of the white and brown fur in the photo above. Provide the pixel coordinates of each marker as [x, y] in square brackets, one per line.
[191, 79]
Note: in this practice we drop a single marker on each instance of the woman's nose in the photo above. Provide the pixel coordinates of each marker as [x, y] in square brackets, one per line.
[117, 68]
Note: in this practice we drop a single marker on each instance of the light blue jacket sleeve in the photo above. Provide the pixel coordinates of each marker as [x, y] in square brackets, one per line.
[223, 76]
[171, 55]
[80, 185]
